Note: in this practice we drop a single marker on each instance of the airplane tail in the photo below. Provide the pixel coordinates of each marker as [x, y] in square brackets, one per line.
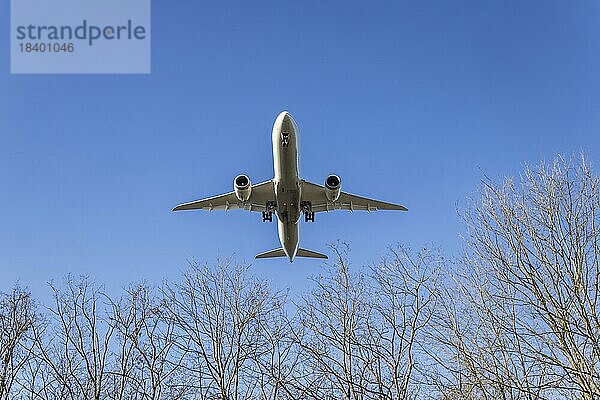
[301, 253]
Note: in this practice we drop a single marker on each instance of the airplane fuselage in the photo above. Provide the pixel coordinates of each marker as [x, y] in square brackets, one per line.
[287, 182]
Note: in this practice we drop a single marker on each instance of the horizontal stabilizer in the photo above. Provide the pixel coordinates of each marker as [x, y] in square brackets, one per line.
[272, 254]
[301, 253]
[309, 254]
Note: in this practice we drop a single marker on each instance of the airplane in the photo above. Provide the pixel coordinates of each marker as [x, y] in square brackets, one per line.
[287, 195]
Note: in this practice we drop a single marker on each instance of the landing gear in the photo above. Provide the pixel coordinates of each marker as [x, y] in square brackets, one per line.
[285, 139]
[309, 216]
[271, 206]
[267, 216]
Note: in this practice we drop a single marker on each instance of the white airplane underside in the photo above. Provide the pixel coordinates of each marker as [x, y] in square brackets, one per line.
[287, 195]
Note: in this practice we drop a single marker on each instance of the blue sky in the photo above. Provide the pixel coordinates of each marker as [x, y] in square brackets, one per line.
[410, 102]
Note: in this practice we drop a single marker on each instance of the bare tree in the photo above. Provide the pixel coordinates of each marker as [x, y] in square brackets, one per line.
[407, 295]
[221, 313]
[18, 315]
[527, 325]
[73, 352]
[277, 363]
[147, 364]
[479, 347]
[334, 319]
[361, 334]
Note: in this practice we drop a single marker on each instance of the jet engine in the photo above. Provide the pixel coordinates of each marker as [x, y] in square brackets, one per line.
[242, 187]
[333, 185]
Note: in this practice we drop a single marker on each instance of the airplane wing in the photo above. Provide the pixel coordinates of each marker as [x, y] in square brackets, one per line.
[319, 202]
[259, 196]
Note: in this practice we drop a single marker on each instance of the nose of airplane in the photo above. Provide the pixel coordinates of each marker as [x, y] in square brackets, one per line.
[283, 115]
[284, 125]
[288, 124]
[285, 118]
